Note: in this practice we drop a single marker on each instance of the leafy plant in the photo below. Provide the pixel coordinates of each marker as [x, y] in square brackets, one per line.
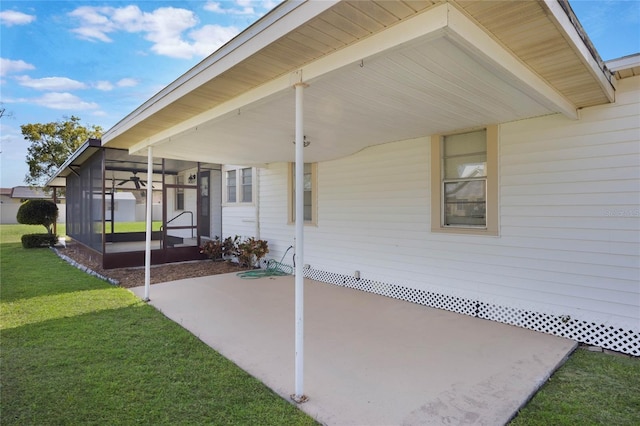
[212, 249]
[38, 240]
[251, 250]
[218, 249]
[38, 212]
[230, 247]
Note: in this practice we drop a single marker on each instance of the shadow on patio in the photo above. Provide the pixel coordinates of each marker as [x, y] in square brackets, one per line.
[369, 359]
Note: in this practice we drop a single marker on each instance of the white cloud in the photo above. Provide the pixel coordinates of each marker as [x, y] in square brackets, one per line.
[240, 7]
[164, 28]
[8, 66]
[214, 6]
[210, 37]
[64, 101]
[50, 83]
[128, 82]
[94, 22]
[105, 86]
[12, 17]
[90, 34]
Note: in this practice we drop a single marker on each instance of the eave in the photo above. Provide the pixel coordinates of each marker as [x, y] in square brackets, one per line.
[529, 45]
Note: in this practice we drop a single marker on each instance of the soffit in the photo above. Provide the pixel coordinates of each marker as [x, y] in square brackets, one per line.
[628, 72]
[341, 25]
[431, 86]
[526, 29]
[625, 67]
[523, 28]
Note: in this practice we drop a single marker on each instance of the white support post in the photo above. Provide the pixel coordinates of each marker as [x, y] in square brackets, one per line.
[299, 395]
[147, 245]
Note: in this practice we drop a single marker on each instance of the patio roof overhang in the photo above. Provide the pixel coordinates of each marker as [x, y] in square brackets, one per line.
[377, 72]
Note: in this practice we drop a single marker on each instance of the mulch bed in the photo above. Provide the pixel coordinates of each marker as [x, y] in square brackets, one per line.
[134, 277]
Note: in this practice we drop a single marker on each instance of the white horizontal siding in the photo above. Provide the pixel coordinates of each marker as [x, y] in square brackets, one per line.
[273, 212]
[570, 199]
[239, 220]
[569, 240]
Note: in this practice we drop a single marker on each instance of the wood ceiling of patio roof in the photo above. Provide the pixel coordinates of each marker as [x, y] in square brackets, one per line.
[525, 28]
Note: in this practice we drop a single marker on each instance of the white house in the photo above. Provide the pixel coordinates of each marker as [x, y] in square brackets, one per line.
[477, 157]
[12, 198]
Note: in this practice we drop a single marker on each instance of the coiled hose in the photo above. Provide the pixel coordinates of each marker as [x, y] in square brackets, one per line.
[273, 269]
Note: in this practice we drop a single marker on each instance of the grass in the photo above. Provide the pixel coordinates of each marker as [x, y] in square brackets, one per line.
[591, 388]
[123, 227]
[75, 350]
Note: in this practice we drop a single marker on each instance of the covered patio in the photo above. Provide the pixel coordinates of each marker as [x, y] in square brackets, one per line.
[369, 359]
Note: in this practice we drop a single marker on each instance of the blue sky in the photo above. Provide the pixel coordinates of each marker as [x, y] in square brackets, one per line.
[99, 60]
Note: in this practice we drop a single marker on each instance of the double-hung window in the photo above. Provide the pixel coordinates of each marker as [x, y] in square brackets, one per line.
[239, 182]
[464, 182]
[231, 186]
[310, 193]
[247, 185]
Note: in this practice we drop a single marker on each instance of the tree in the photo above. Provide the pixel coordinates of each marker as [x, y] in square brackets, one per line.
[38, 212]
[51, 145]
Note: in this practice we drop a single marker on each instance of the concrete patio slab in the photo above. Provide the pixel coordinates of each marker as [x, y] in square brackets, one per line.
[369, 359]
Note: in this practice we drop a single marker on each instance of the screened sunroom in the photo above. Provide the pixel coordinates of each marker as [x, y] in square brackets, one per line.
[107, 191]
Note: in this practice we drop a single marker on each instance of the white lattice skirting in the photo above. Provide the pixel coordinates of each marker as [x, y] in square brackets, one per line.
[617, 339]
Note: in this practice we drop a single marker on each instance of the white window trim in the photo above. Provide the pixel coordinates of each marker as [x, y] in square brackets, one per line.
[240, 178]
[238, 202]
[492, 206]
[314, 195]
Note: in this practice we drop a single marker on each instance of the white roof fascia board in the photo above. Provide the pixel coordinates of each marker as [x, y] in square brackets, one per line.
[569, 30]
[465, 33]
[431, 23]
[232, 106]
[624, 63]
[277, 23]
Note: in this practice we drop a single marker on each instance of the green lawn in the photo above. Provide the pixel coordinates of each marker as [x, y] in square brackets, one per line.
[75, 350]
[592, 388]
[123, 227]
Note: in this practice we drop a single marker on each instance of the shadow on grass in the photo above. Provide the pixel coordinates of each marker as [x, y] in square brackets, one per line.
[124, 366]
[28, 273]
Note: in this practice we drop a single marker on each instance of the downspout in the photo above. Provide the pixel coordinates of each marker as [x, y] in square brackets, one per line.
[299, 395]
[147, 245]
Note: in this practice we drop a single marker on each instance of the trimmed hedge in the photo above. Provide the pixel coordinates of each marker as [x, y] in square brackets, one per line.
[38, 212]
[39, 240]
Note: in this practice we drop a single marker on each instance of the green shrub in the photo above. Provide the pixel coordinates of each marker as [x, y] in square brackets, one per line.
[39, 240]
[250, 251]
[212, 248]
[218, 249]
[38, 212]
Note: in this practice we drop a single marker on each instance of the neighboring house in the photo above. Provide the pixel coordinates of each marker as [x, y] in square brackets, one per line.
[477, 157]
[8, 206]
[12, 198]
